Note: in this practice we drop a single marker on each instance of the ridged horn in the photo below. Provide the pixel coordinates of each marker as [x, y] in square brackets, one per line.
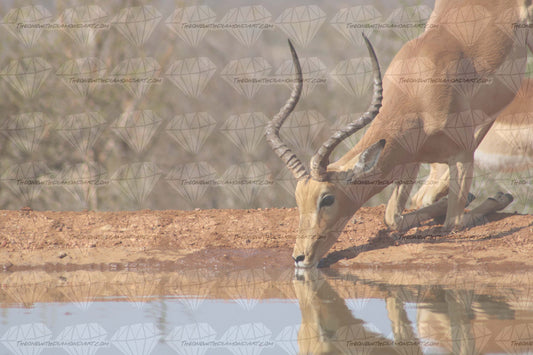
[320, 160]
[272, 133]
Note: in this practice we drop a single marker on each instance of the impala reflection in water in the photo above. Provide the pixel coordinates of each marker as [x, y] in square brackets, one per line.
[266, 311]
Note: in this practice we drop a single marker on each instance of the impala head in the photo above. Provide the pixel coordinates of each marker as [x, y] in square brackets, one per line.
[325, 198]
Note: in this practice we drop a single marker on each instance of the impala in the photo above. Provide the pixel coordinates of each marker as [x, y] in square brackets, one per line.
[328, 326]
[456, 320]
[507, 147]
[419, 102]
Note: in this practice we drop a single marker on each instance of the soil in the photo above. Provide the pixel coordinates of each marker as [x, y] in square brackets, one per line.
[202, 238]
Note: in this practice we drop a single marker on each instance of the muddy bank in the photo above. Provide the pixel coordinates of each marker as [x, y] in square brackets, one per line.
[32, 238]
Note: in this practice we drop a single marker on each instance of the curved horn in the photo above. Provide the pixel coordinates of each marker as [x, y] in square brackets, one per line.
[320, 160]
[272, 133]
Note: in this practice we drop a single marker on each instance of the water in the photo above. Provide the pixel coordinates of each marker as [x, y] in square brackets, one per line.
[158, 309]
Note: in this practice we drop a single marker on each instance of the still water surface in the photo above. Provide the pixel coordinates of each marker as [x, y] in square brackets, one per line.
[266, 311]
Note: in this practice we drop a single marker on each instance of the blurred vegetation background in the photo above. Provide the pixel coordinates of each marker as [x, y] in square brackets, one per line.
[123, 105]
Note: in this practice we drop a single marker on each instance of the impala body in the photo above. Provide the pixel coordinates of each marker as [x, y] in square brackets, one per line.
[507, 147]
[328, 326]
[419, 114]
[459, 321]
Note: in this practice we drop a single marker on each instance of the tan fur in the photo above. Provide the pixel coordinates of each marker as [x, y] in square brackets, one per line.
[328, 326]
[417, 110]
[507, 147]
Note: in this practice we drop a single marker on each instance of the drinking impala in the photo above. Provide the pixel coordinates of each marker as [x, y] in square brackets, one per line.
[419, 115]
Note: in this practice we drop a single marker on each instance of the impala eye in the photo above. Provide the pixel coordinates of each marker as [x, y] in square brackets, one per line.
[327, 201]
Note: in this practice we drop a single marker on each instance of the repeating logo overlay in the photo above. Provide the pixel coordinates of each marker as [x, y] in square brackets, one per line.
[345, 306]
[215, 144]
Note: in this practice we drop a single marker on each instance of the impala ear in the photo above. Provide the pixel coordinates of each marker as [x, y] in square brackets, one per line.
[368, 159]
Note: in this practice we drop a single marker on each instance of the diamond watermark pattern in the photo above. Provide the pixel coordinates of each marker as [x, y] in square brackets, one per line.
[410, 21]
[137, 128]
[410, 133]
[29, 336]
[520, 185]
[137, 23]
[137, 75]
[191, 75]
[511, 73]
[469, 339]
[191, 130]
[350, 141]
[25, 130]
[287, 339]
[246, 130]
[517, 32]
[357, 338]
[249, 338]
[520, 295]
[527, 83]
[246, 180]
[26, 180]
[461, 127]
[406, 174]
[416, 293]
[137, 180]
[313, 73]
[82, 287]
[27, 287]
[465, 77]
[26, 75]
[82, 23]
[516, 131]
[80, 75]
[302, 129]
[359, 302]
[137, 287]
[516, 339]
[354, 75]
[247, 23]
[82, 338]
[246, 287]
[192, 287]
[190, 23]
[27, 15]
[413, 76]
[192, 180]
[467, 23]
[309, 339]
[135, 339]
[191, 339]
[246, 75]
[286, 180]
[360, 192]
[82, 180]
[352, 22]
[483, 182]
[82, 130]
[301, 23]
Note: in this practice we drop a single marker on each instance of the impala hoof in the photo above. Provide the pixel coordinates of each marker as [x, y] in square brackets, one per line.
[471, 197]
[503, 200]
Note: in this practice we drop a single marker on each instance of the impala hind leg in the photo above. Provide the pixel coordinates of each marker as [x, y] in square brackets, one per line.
[433, 211]
[490, 205]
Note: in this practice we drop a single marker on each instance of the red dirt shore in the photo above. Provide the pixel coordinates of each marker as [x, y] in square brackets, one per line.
[33, 238]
